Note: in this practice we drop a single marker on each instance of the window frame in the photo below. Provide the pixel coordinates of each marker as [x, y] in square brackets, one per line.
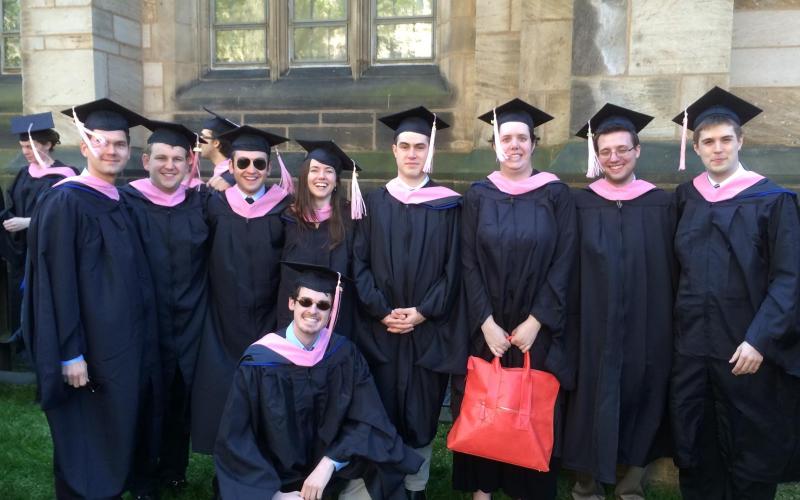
[314, 24]
[373, 35]
[4, 35]
[214, 27]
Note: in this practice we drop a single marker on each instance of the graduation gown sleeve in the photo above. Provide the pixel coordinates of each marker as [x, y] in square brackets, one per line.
[442, 294]
[478, 305]
[371, 297]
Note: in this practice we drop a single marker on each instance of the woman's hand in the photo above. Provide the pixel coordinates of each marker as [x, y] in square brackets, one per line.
[525, 334]
[495, 337]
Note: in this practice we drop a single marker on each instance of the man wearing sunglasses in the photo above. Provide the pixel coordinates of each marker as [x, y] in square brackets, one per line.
[303, 416]
[244, 273]
[622, 311]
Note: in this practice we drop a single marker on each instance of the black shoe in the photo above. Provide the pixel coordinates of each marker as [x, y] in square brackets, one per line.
[415, 495]
[174, 483]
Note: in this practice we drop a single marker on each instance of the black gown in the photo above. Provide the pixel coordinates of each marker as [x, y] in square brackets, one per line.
[625, 286]
[22, 197]
[739, 281]
[175, 242]
[244, 274]
[517, 253]
[311, 246]
[281, 419]
[89, 292]
[408, 256]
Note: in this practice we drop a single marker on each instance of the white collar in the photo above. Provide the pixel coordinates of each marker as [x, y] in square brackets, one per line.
[261, 192]
[738, 173]
[399, 183]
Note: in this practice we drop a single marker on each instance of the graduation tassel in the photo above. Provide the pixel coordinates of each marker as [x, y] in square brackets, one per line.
[85, 133]
[682, 163]
[428, 167]
[287, 184]
[357, 207]
[593, 164]
[36, 153]
[337, 298]
[498, 150]
[194, 172]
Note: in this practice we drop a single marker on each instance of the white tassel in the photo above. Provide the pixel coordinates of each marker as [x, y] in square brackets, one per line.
[357, 207]
[682, 162]
[428, 167]
[42, 163]
[498, 150]
[593, 168]
[85, 133]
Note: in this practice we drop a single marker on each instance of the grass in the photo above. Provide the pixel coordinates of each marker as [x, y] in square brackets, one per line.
[26, 460]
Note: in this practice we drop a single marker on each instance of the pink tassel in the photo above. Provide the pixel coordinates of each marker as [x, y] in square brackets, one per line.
[337, 298]
[682, 163]
[498, 150]
[428, 167]
[357, 207]
[593, 164]
[287, 184]
[42, 163]
[85, 133]
[194, 173]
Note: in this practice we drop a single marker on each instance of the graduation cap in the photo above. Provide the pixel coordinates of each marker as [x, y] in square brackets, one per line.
[172, 134]
[247, 138]
[515, 110]
[609, 117]
[320, 279]
[330, 154]
[218, 123]
[102, 114]
[38, 122]
[715, 102]
[421, 121]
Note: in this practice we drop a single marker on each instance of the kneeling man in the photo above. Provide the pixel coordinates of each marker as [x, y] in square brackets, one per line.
[303, 415]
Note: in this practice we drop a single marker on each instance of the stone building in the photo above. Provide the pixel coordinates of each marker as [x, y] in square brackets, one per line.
[328, 68]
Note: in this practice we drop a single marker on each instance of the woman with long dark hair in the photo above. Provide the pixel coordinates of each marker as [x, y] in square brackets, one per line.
[319, 226]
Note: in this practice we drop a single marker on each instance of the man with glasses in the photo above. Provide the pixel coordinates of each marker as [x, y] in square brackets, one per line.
[217, 149]
[621, 315]
[303, 415]
[244, 272]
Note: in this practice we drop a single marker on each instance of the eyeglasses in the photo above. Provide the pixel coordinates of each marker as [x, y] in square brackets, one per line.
[259, 163]
[322, 305]
[606, 153]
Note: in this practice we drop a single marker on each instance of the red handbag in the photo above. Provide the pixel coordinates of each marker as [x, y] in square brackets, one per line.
[506, 414]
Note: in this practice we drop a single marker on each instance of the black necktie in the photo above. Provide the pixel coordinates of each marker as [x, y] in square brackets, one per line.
[249, 200]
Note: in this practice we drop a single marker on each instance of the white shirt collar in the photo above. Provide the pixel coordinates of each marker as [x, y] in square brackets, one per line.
[738, 173]
[399, 182]
[261, 192]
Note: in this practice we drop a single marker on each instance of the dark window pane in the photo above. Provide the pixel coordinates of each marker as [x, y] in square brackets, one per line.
[240, 11]
[320, 44]
[404, 41]
[241, 46]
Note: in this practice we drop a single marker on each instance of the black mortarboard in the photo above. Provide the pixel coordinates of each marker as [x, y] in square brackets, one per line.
[247, 138]
[330, 154]
[37, 123]
[418, 120]
[612, 116]
[718, 102]
[105, 114]
[516, 110]
[218, 123]
[314, 277]
[173, 134]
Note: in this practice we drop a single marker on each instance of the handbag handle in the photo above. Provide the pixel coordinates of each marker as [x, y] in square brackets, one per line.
[524, 413]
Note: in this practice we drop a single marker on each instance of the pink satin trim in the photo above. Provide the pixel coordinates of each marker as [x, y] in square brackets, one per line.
[422, 195]
[157, 196]
[221, 167]
[260, 207]
[93, 182]
[635, 189]
[37, 172]
[322, 214]
[192, 183]
[531, 183]
[728, 191]
[293, 353]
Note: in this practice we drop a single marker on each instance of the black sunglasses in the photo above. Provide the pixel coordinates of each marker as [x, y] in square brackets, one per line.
[322, 305]
[259, 163]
